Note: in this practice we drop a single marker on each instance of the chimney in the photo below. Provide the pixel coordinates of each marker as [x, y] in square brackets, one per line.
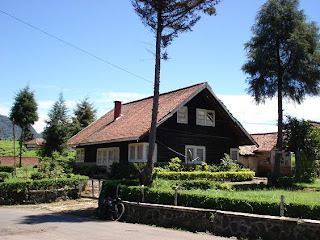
[117, 109]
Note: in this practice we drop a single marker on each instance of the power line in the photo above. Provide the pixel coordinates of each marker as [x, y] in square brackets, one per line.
[75, 47]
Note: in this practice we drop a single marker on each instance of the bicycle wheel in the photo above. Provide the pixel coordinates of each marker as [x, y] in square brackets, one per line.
[117, 211]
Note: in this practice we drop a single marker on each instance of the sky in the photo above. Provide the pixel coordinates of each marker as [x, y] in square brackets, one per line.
[101, 50]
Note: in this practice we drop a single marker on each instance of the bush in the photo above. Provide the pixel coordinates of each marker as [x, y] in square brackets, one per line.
[16, 190]
[227, 164]
[174, 164]
[4, 176]
[6, 168]
[126, 170]
[214, 176]
[36, 175]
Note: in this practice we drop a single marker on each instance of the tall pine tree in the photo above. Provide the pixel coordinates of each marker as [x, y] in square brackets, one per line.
[24, 113]
[85, 114]
[57, 127]
[167, 19]
[283, 59]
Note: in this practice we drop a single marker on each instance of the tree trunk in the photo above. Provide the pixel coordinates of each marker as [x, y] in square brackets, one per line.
[278, 153]
[152, 136]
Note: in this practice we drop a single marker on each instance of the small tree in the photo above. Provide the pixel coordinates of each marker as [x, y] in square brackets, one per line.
[167, 19]
[57, 127]
[284, 59]
[85, 114]
[304, 140]
[24, 113]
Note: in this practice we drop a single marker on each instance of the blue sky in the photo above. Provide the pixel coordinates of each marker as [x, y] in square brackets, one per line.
[212, 52]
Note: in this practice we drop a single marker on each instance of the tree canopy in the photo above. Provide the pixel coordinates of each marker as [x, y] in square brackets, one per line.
[283, 58]
[56, 131]
[24, 113]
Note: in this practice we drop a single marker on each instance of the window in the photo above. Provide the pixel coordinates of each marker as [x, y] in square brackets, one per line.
[234, 154]
[138, 152]
[182, 115]
[80, 155]
[195, 154]
[107, 156]
[205, 117]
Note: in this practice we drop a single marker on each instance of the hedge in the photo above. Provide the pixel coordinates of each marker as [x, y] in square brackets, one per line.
[204, 200]
[17, 191]
[4, 175]
[214, 176]
[6, 168]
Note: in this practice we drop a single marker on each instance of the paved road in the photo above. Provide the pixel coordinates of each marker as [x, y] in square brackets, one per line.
[31, 224]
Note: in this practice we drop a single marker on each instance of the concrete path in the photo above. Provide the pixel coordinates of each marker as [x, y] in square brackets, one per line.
[35, 224]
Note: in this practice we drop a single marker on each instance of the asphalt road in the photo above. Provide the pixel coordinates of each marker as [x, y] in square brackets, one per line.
[32, 224]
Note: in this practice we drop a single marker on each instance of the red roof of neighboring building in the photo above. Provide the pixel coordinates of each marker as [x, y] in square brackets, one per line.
[266, 142]
[135, 119]
[36, 141]
[314, 123]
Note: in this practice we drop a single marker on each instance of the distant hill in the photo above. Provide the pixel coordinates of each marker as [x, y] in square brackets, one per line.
[6, 129]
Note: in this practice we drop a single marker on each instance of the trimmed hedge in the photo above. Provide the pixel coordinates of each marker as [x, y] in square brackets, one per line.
[214, 176]
[17, 191]
[228, 203]
[6, 168]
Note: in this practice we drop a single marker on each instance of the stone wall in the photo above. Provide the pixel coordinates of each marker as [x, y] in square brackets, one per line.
[222, 223]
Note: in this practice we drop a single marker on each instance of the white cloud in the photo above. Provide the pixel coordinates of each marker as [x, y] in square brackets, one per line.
[263, 117]
[4, 110]
[119, 96]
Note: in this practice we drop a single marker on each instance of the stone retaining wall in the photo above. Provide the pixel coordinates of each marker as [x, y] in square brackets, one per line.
[222, 223]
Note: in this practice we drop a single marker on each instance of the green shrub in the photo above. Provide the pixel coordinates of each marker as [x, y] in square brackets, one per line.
[215, 176]
[227, 164]
[4, 176]
[36, 175]
[6, 168]
[174, 164]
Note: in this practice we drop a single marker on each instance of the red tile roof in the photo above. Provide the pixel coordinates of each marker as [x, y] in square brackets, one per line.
[36, 141]
[135, 119]
[266, 142]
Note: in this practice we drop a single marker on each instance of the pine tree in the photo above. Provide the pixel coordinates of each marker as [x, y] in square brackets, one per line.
[24, 114]
[284, 59]
[57, 129]
[85, 114]
[167, 19]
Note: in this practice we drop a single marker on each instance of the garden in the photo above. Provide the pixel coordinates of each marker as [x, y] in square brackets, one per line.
[49, 178]
[208, 186]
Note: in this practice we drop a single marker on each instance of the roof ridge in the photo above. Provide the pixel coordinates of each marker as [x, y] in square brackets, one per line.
[176, 90]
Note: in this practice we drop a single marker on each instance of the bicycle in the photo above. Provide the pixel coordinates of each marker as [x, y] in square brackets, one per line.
[113, 208]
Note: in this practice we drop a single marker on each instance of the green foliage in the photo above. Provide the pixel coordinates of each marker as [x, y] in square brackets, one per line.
[4, 176]
[304, 140]
[57, 130]
[267, 202]
[6, 168]
[24, 113]
[16, 190]
[227, 164]
[85, 114]
[36, 176]
[174, 164]
[215, 176]
[89, 171]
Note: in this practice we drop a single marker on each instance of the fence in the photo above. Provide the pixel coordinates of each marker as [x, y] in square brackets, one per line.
[90, 188]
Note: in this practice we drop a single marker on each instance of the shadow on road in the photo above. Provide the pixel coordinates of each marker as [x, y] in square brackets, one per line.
[82, 215]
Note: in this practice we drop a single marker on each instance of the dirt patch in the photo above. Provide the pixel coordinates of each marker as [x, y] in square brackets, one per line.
[84, 207]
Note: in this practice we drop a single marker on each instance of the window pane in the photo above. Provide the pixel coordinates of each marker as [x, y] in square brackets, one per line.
[82, 155]
[116, 155]
[78, 155]
[234, 155]
[139, 152]
[200, 154]
[210, 118]
[111, 155]
[132, 152]
[105, 157]
[99, 157]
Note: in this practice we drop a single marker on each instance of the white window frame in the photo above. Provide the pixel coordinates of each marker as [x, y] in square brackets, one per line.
[194, 152]
[206, 121]
[80, 153]
[105, 154]
[145, 148]
[234, 150]
[182, 115]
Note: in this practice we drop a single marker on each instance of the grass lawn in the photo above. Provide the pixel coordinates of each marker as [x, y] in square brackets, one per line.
[315, 184]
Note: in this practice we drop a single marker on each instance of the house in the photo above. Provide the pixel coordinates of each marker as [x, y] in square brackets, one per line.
[193, 124]
[261, 158]
[35, 143]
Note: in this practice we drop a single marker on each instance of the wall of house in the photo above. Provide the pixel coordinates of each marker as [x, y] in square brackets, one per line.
[217, 140]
